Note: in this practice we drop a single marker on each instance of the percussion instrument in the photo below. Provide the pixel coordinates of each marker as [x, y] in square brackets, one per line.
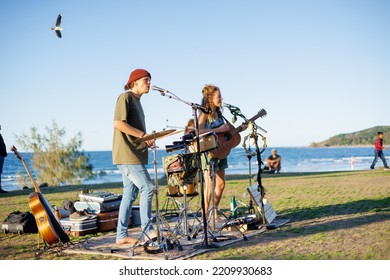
[207, 141]
[179, 191]
[158, 135]
[191, 189]
[180, 169]
[173, 191]
[182, 144]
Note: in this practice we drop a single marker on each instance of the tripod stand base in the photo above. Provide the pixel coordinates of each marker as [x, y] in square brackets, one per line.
[152, 247]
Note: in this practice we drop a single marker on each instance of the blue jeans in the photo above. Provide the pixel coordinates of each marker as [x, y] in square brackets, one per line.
[381, 155]
[135, 179]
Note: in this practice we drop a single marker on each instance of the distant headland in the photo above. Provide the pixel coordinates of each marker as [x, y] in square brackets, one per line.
[365, 137]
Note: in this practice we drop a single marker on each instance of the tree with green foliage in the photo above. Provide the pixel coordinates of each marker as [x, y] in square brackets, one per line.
[54, 162]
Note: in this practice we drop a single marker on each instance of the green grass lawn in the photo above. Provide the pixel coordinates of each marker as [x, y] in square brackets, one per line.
[333, 216]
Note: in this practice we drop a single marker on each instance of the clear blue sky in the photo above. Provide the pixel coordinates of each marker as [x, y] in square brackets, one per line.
[319, 68]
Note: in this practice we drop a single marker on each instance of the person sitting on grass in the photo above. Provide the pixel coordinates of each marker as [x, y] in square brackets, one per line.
[273, 162]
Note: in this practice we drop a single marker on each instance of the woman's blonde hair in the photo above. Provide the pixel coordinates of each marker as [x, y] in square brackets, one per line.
[208, 94]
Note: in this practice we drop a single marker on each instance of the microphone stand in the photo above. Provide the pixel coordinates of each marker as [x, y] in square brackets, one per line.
[235, 111]
[195, 108]
[259, 163]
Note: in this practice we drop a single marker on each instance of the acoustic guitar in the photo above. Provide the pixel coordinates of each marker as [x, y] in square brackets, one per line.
[48, 225]
[230, 139]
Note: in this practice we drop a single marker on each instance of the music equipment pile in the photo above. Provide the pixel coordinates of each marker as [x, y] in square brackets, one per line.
[98, 211]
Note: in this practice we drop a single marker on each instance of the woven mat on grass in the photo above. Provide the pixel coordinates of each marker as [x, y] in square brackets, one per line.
[174, 247]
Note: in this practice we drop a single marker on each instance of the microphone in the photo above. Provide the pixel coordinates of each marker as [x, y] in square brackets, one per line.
[233, 109]
[204, 110]
[160, 89]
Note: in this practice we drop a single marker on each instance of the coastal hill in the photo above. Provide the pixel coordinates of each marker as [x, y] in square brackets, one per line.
[365, 137]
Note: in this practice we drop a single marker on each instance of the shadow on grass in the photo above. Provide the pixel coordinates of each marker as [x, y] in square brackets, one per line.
[353, 207]
[328, 218]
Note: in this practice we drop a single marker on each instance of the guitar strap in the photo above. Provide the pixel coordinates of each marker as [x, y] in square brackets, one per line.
[225, 120]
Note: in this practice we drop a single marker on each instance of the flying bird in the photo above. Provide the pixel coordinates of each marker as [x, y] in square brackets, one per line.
[58, 27]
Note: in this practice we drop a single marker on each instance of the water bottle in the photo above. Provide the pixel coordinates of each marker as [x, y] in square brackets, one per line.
[233, 207]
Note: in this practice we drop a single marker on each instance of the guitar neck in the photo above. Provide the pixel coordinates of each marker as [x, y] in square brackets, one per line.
[25, 167]
[239, 128]
[36, 188]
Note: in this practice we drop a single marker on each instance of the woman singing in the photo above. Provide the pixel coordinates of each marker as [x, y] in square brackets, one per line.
[214, 121]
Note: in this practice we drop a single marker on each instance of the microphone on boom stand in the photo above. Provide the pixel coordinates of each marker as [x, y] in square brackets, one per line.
[235, 111]
[161, 90]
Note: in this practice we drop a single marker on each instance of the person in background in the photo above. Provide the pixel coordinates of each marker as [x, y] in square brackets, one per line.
[379, 148]
[274, 162]
[3, 154]
[131, 158]
[190, 127]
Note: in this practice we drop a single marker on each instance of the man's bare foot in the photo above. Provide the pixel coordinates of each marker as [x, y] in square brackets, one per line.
[126, 240]
[152, 234]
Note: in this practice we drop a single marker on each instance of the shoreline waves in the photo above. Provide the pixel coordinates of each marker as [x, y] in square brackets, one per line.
[294, 160]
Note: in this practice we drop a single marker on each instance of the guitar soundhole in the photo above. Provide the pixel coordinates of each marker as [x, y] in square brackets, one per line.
[227, 136]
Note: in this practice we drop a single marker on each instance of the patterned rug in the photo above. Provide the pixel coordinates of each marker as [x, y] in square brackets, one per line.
[177, 241]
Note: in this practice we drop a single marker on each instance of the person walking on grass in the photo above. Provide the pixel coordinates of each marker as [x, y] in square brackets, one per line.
[379, 152]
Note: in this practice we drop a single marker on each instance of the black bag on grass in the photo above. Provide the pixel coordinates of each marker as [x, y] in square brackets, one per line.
[20, 222]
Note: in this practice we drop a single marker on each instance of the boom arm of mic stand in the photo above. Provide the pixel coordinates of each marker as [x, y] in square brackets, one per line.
[195, 106]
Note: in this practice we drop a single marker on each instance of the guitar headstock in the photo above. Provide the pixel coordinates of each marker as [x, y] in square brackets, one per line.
[13, 149]
[261, 113]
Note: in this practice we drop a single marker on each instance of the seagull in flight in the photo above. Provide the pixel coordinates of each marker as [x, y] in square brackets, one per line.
[58, 27]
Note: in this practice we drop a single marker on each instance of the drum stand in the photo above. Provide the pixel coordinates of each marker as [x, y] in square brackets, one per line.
[182, 227]
[213, 210]
[157, 244]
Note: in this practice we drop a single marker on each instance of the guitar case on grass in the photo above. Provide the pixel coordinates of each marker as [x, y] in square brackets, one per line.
[19, 222]
[108, 221]
[78, 228]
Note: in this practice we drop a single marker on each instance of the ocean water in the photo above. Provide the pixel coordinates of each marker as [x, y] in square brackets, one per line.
[294, 159]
